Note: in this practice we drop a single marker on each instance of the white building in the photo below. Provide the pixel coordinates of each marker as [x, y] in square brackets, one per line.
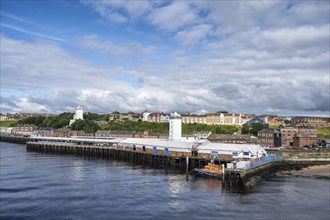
[175, 127]
[79, 114]
[145, 116]
[165, 118]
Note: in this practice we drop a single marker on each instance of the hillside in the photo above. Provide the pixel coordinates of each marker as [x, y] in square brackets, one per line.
[8, 123]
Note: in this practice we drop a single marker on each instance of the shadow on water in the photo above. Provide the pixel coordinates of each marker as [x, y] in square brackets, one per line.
[134, 164]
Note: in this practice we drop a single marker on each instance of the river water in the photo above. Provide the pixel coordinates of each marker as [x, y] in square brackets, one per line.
[45, 186]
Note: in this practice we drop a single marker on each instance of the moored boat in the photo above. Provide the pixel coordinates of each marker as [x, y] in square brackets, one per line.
[210, 170]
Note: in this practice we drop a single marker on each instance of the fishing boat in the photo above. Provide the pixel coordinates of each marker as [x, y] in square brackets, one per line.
[210, 170]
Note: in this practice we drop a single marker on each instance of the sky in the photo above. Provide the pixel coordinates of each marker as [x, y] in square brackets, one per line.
[260, 57]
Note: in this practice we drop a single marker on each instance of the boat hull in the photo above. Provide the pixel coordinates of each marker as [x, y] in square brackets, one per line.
[205, 173]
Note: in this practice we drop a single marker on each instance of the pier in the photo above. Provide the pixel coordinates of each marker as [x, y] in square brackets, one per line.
[14, 139]
[247, 179]
[111, 149]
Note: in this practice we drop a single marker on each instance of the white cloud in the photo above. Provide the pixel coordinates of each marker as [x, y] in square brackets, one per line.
[42, 65]
[108, 47]
[102, 7]
[119, 11]
[195, 34]
[173, 16]
[297, 39]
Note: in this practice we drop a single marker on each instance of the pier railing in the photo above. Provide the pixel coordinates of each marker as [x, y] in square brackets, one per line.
[249, 165]
[265, 160]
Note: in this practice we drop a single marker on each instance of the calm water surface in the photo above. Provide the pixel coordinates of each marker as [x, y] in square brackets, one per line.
[44, 186]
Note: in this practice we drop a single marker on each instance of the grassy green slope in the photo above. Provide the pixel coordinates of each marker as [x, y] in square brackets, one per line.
[8, 123]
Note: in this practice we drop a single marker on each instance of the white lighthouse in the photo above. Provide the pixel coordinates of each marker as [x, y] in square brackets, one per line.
[79, 114]
[175, 127]
[145, 116]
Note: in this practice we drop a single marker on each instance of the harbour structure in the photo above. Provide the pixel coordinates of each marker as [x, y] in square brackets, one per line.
[79, 114]
[175, 145]
[175, 148]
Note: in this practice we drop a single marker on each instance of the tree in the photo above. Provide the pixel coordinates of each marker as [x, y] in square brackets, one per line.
[252, 129]
[85, 125]
[93, 116]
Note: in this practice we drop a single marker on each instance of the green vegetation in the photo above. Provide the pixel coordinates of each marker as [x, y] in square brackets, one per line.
[139, 126]
[85, 125]
[60, 121]
[323, 133]
[163, 127]
[89, 125]
[63, 120]
[252, 129]
[96, 117]
[8, 123]
[274, 126]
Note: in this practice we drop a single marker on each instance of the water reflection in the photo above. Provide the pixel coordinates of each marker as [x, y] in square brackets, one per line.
[212, 184]
[77, 170]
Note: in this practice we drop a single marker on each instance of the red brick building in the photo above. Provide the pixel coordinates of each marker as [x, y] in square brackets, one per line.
[301, 140]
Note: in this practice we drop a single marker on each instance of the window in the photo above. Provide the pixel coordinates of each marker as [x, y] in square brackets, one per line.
[246, 153]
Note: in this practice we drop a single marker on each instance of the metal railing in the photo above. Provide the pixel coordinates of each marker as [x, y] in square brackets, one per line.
[265, 160]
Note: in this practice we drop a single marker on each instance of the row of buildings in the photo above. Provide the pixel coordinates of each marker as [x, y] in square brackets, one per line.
[20, 116]
[210, 118]
[219, 118]
[288, 137]
[297, 136]
[222, 118]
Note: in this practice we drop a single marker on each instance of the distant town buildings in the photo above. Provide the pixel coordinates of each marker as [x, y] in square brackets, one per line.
[295, 132]
[122, 117]
[24, 130]
[20, 116]
[304, 140]
[306, 121]
[287, 135]
[217, 119]
[268, 137]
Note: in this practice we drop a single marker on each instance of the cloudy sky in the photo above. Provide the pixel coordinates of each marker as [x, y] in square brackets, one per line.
[263, 57]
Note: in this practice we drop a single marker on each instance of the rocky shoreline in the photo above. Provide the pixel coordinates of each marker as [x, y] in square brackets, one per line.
[316, 171]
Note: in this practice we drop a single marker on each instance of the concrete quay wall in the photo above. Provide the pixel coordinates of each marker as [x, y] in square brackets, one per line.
[247, 180]
[14, 139]
[323, 153]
